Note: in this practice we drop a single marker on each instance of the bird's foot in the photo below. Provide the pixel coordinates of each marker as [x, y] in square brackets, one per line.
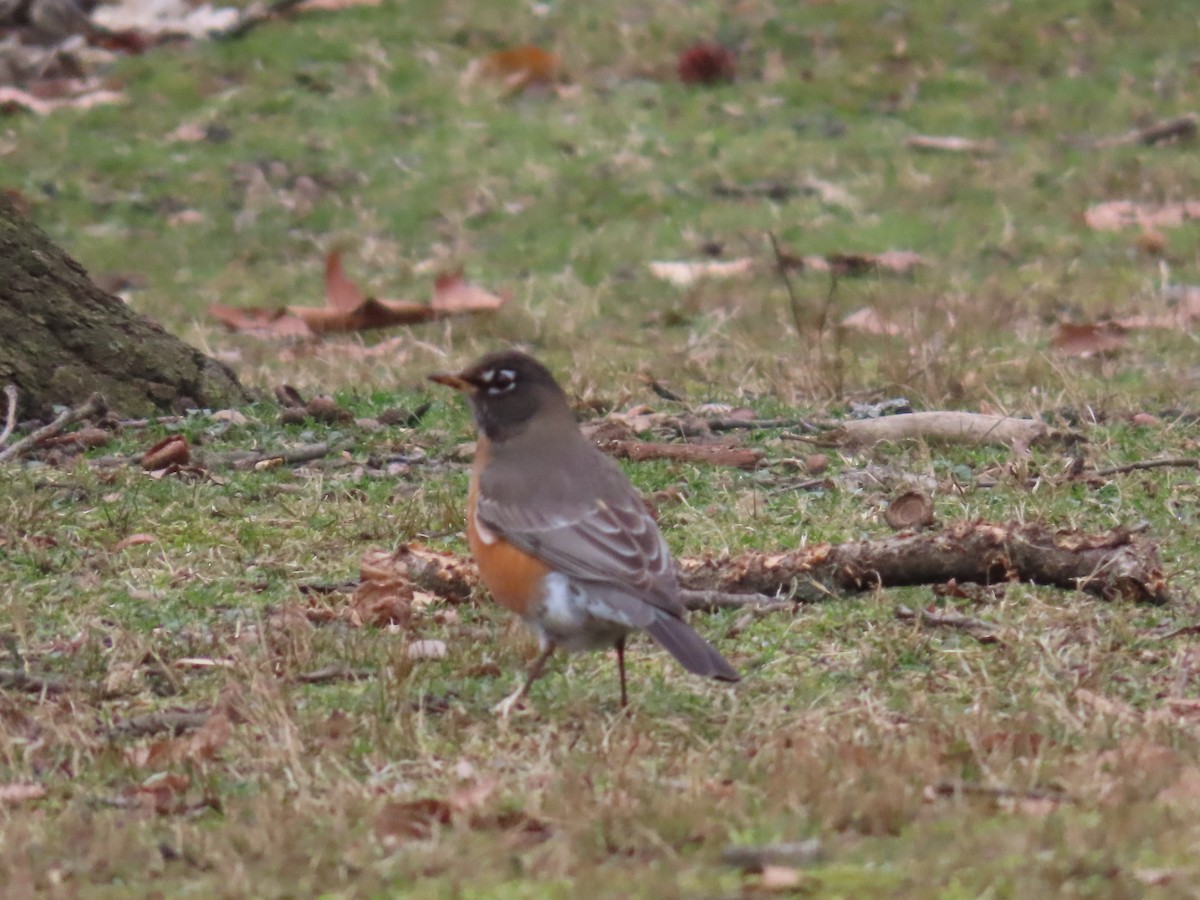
[505, 707]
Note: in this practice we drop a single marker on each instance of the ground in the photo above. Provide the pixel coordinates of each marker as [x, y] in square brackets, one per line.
[1061, 761]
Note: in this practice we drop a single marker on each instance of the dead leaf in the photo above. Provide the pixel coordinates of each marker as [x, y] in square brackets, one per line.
[1117, 214]
[410, 820]
[706, 63]
[1099, 339]
[951, 144]
[170, 451]
[685, 274]
[20, 792]
[454, 294]
[133, 540]
[347, 308]
[516, 68]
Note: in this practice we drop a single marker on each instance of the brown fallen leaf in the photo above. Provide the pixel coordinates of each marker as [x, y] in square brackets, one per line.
[348, 309]
[170, 451]
[708, 454]
[516, 68]
[133, 540]
[1088, 340]
[706, 63]
[1117, 214]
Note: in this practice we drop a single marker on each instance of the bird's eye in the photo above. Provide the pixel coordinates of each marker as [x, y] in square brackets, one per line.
[499, 381]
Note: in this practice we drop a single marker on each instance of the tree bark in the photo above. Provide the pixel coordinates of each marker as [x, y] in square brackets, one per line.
[63, 338]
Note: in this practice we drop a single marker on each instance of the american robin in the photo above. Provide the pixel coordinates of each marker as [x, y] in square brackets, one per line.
[560, 536]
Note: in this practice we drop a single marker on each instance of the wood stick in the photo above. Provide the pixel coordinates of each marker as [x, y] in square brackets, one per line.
[1116, 565]
[947, 427]
[984, 632]
[92, 406]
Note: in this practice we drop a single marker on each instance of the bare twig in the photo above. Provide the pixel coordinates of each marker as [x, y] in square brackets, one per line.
[10, 391]
[956, 788]
[335, 672]
[982, 631]
[943, 426]
[1180, 127]
[793, 301]
[92, 406]
[177, 722]
[1172, 463]
[718, 423]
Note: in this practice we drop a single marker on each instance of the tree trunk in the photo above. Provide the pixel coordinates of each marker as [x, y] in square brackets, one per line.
[63, 338]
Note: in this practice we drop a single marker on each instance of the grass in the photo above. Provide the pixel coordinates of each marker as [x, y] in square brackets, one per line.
[354, 130]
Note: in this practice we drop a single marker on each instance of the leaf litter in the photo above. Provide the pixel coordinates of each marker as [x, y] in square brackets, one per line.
[348, 309]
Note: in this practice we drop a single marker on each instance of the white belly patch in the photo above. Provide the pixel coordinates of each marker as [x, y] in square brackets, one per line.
[564, 618]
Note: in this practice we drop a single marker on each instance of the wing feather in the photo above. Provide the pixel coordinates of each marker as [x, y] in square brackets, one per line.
[600, 532]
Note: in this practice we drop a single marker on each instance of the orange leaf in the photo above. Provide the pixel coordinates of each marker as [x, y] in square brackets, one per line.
[454, 294]
[1099, 339]
[340, 292]
[347, 310]
[520, 67]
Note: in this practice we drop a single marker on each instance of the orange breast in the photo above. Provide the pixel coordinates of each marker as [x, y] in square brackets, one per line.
[513, 577]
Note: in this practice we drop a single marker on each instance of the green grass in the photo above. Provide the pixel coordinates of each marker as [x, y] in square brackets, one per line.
[354, 130]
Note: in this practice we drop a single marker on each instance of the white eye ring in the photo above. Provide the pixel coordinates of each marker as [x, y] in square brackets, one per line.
[506, 380]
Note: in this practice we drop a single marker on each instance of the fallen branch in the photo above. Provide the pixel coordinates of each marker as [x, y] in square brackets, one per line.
[289, 456]
[177, 722]
[1172, 463]
[336, 672]
[982, 631]
[10, 422]
[1000, 792]
[1181, 127]
[243, 459]
[20, 680]
[941, 427]
[1116, 565]
[94, 405]
[708, 454]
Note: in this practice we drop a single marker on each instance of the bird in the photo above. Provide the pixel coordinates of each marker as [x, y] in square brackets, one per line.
[559, 534]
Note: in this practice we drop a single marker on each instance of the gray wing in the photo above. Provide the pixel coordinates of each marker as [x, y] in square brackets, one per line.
[599, 531]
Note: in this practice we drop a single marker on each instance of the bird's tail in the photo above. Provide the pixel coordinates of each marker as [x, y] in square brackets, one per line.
[693, 652]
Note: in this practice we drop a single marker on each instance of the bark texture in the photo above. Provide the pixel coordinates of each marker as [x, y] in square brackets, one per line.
[63, 338]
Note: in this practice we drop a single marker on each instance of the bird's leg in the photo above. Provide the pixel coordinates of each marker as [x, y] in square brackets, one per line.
[621, 669]
[509, 703]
